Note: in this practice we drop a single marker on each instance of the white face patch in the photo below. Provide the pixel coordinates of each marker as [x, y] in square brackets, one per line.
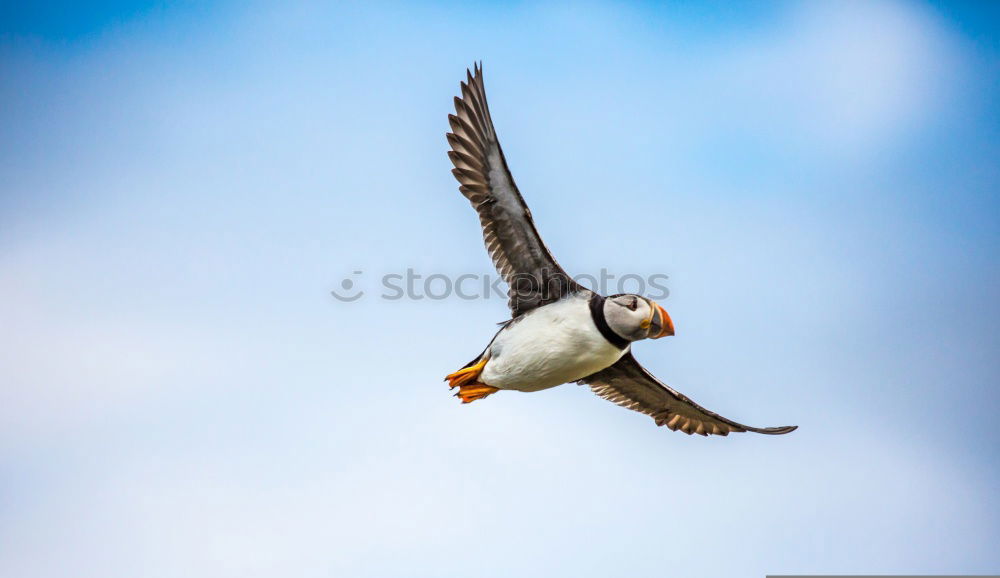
[628, 316]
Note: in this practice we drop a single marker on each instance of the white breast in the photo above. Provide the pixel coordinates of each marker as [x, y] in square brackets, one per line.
[556, 343]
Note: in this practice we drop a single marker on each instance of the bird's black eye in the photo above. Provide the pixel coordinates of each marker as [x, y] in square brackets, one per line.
[633, 304]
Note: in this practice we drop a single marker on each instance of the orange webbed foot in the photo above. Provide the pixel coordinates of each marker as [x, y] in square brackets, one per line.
[472, 392]
[467, 382]
[466, 375]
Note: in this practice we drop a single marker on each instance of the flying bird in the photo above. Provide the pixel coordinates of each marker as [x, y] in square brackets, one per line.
[560, 331]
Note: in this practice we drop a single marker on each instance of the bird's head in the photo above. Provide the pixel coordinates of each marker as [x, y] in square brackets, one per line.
[634, 317]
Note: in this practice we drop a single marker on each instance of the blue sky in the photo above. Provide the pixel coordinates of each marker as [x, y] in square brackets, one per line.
[181, 186]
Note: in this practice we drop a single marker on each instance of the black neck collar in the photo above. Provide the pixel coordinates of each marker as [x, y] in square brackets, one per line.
[597, 314]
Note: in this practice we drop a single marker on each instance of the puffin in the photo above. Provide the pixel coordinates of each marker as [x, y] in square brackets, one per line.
[559, 332]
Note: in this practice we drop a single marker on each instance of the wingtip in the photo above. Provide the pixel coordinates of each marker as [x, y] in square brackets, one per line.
[775, 431]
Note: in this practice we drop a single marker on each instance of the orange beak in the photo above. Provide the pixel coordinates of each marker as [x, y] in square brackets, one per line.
[660, 325]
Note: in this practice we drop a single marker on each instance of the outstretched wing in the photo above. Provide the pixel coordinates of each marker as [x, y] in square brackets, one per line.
[629, 385]
[522, 259]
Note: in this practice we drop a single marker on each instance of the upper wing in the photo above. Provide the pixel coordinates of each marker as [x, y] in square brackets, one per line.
[522, 259]
[629, 385]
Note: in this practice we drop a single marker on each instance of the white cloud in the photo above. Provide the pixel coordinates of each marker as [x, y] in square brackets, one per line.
[847, 77]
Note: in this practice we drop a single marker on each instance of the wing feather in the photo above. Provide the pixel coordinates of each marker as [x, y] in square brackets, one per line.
[533, 276]
[628, 384]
